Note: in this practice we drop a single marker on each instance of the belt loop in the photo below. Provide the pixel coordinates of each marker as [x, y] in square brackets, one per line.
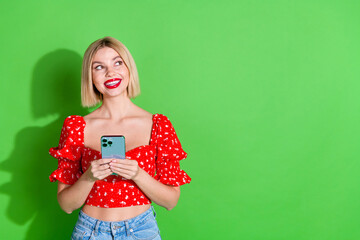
[153, 209]
[127, 228]
[113, 229]
[96, 229]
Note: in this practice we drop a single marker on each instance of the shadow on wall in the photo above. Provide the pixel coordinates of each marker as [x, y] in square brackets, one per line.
[55, 90]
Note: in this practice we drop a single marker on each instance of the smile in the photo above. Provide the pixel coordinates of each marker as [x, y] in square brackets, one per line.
[113, 83]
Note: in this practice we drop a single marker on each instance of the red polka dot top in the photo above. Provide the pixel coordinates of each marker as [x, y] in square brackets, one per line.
[161, 156]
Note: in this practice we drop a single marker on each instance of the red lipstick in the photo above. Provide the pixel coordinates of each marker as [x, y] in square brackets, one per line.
[113, 83]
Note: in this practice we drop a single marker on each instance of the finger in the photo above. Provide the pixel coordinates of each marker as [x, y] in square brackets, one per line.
[100, 167]
[107, 172]
[98, 176]
[103, 167]
[97, 171]
[103, 161]
[125, 161]
[104, 170]
[121, 171]
[114, 160]
[118, 160]
[116, 170]
[104, 176]
[122, 166]
[123, 175]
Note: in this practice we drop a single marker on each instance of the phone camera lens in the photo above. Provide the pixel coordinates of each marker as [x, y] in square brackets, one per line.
[104, 145]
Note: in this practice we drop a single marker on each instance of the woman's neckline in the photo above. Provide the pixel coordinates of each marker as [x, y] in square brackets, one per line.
[145, 145]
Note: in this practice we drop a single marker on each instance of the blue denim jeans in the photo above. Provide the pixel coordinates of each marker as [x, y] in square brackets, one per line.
[143, 226]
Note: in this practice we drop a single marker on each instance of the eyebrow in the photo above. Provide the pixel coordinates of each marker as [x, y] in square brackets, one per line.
[112, 59]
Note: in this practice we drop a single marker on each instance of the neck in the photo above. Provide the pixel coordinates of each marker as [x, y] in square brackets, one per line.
[116, 108]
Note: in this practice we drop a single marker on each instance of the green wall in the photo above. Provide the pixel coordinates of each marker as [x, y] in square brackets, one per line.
[264, 96]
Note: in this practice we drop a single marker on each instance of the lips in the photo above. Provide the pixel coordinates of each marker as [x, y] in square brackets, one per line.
[113, 83]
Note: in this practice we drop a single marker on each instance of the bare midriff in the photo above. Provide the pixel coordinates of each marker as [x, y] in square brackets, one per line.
[114, 214]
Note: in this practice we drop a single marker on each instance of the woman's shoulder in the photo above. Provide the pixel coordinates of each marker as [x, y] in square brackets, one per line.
[144, 115]
[73, 121]
[161, 118]
[73, 118]
[139, 114]
[91, 115]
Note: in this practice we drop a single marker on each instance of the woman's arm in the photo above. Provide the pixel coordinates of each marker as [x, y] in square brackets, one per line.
[72, 197]
[163, 195]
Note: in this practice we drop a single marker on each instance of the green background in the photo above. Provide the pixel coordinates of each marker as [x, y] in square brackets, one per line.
[264, 96]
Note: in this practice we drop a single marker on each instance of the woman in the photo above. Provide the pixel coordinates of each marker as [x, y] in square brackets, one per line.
[116, 206]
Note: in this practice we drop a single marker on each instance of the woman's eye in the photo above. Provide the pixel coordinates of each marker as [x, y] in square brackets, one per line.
[97, 67]
[120, 62]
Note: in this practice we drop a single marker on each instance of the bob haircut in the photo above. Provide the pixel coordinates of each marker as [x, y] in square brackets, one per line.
[90, 96]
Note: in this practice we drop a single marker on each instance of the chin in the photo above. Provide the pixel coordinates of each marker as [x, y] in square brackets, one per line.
[115, 93]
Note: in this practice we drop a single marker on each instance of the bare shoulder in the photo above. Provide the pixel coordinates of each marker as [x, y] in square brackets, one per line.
[91, 116]
[141, 116]
[94, 121]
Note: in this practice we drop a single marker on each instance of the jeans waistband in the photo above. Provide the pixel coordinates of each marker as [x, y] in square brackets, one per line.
[108, 226]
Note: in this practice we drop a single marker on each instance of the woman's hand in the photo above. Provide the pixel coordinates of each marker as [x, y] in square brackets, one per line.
[126, 168]
[99, 169]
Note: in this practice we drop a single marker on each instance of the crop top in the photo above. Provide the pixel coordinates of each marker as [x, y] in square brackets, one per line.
[162, 156]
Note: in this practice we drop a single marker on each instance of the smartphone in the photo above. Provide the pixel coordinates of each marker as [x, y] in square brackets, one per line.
[113, 146]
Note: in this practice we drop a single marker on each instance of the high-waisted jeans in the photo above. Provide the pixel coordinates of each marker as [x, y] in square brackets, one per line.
[143, 226]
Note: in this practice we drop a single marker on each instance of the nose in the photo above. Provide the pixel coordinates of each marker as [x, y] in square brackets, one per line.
[110, 72]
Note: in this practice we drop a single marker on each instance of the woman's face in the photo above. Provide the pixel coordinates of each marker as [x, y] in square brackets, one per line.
[109, 73]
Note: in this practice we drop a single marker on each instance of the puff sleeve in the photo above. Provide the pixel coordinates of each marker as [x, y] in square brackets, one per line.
[68, 151]
[169, 153]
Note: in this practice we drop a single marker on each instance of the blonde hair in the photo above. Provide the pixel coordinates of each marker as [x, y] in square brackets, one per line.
[90, 96]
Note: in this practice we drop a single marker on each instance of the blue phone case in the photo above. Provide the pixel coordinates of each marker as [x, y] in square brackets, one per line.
[113, 146]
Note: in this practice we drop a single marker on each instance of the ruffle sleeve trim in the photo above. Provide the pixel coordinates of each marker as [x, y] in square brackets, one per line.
[169, 146]
[64, 176]
[169, 153]
[69, 151]
[71, 139]
[171, 174]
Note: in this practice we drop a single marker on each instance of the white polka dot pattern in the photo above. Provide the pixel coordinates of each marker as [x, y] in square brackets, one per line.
[169, 153]
[161, 156]
[68, 153]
